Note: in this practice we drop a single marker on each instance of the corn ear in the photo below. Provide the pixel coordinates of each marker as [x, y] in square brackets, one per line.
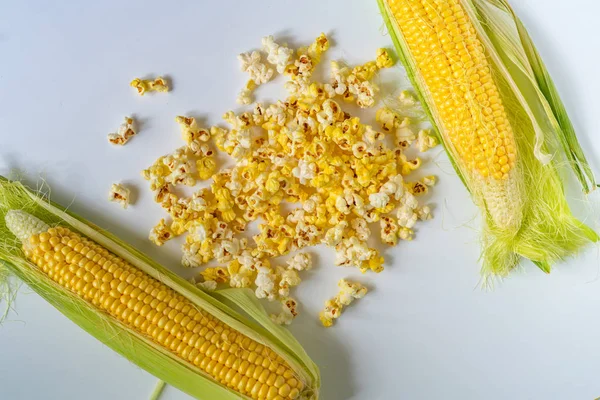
[237, 309]
[476, 55]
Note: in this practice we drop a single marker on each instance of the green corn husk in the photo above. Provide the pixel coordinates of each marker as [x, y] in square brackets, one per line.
[254, 322]
[541, 227]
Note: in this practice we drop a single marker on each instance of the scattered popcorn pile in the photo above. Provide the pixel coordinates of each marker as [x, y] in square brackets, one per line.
[349, 291]
[304, 150]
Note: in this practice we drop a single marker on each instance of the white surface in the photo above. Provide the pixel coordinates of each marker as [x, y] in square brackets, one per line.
[425, 331]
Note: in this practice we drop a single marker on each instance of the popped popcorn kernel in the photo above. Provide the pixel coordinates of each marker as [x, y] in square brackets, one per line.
[349, 291]
[288, 313]
[119, 194]
[159, 84]
[384, 59]
[161, 233]
[125, 132]
[426, 141]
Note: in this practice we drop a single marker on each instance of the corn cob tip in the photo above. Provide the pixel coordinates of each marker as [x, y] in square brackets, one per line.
[24, 225]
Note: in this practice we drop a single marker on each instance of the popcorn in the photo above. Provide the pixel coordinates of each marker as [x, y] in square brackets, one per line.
[142, 86]
[119, 194]
[126, 131]
[287, 278]
[245, 95]
[425, 141]
[251, 63]
[265, 284]
[300, 262]
[278, 55]
[304, 149]
[349, 291]
[216, 274]
[161, 233]
[241, 276]
[288, 313]
[384, 60]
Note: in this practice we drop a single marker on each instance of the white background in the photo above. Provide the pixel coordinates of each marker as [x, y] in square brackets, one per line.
[426, 330]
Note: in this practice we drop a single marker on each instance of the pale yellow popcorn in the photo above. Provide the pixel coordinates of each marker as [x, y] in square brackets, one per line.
[384, 59]
[119, 194]
[126, 131]
[288, 278]
[389, 231]
[349, 291]
[360, 227]
[161, 233]
[246, 94]
[425, 141]
[335, 234]
[288, 313]
[407, 99]
[142, 86]
[407, 217]
[424, 213]
[278, 55]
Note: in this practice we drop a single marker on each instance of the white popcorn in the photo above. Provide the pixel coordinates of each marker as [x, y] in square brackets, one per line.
[251, 63]
[305, 171]
[360, 227]
[352, 252]
[394, 187]
[334, 235]
[379, 200]
[407, 217]
[278, 55]
[265, 284]
[300, 262]
[119, 194]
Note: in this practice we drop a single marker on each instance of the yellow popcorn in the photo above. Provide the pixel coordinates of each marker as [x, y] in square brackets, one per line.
[384, 59]
[206, 167]
[142, 86]
[349, 291]
[216, 274]
[126, 131]
[161, 233]
[119, 194]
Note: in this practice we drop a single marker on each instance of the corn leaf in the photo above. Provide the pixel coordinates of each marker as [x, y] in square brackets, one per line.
[136, 348]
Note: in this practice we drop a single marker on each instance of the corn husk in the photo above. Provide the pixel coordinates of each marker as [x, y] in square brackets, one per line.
[542, 227]
[237, 308]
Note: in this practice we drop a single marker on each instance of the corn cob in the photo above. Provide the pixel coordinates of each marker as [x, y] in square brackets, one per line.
[154, 311]
[463, 59]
